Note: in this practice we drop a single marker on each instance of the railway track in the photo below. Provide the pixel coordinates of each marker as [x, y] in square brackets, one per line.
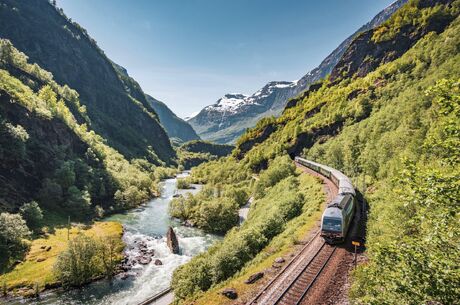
[292, 284]
[298, 289]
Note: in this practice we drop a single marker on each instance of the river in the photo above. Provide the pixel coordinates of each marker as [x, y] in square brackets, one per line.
[149, 224]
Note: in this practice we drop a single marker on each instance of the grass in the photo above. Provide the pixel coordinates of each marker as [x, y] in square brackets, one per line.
[37, 268]
[298, 228]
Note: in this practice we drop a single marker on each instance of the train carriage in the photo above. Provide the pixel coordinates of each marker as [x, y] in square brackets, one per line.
[339, 213]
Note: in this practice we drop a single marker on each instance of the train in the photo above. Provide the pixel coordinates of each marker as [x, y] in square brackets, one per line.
[339, 213]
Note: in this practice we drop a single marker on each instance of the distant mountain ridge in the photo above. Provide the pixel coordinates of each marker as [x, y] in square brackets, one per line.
[224, 124]
[177, 129]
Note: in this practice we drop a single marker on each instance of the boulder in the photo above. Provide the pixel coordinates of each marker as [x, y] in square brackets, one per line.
[158, 262]
[48, 248]
[230, 293]
[172, 242]
[41, 259]
[144, 260]
[16, 262]
[279, 260]
[188, 223]
[254, 278]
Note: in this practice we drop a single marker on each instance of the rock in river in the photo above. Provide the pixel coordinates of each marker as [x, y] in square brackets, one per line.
[144, 260]
[172, 242]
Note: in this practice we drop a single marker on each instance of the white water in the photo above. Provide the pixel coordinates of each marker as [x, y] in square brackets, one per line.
[150, 224]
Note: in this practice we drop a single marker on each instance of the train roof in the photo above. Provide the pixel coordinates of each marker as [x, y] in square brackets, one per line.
[339, 201]
[332, 212]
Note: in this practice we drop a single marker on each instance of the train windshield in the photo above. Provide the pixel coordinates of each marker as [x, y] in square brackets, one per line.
[332, 224]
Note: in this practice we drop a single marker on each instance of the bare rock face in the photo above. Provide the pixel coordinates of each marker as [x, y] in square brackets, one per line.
[172, 242]
[230, 293]
[254, 278]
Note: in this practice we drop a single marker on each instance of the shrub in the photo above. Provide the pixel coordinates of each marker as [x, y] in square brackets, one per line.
[32, 214]
[183, 184]
[79, 263]
[13, 229]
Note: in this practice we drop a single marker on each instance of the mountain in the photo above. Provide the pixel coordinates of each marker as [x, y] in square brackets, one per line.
[50, 154]
[391, 122]
[116, 106]
[215, 123]
[178, 129]
[231, 115]
[195, 152]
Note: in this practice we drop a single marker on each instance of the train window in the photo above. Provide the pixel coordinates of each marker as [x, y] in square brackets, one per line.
[348, 205]
[332, 224]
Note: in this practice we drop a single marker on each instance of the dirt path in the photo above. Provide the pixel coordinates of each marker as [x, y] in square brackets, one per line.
[244, 210]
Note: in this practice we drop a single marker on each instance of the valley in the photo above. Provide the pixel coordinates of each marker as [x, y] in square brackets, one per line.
[324, 190]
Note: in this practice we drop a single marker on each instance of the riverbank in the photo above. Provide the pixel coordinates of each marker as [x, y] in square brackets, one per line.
[145, 229]
[36, 273]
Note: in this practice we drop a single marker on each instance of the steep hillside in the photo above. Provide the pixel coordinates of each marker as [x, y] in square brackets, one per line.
[47, 155]
[194, 153]
[116, 105]
[396, 128]
[224, 125]
[178, 130]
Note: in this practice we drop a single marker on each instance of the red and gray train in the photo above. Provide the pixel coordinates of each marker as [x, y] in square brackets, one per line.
[338, 215]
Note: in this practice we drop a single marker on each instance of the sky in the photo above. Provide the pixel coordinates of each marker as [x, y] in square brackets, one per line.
[189, 53]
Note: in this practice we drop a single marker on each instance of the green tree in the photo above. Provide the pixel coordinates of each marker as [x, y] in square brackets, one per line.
[13, 229]
[32, 213]
[79, 263]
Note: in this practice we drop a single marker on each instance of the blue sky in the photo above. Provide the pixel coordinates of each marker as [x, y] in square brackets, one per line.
[189, 53]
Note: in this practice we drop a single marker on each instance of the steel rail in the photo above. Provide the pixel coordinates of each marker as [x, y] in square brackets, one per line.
[316, 276]
[296, 258]
[155, 297]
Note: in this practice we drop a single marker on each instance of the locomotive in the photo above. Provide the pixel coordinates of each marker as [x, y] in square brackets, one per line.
[337, 216]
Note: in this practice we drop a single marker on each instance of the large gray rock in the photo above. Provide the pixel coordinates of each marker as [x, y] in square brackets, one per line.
[172, 242]
[254, 278]
[230, 293]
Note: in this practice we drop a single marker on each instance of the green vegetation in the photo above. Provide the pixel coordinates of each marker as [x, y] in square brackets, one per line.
[280, 198]
[397, 129]
[32, 213]
[179, 131]
[115, 105]
[412, 15]
[283, 244]
[62, 167]
[86, 258]
[195, 152]
[183, 184]
[44, 262]
[13, 231]
[72, 183]
[415, 260]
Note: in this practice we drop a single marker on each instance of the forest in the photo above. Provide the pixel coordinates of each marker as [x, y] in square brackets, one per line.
[396, 129]
[388, 116]
[71, 174]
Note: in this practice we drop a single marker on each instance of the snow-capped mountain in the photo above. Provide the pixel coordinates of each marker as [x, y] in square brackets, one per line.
[230, 116]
